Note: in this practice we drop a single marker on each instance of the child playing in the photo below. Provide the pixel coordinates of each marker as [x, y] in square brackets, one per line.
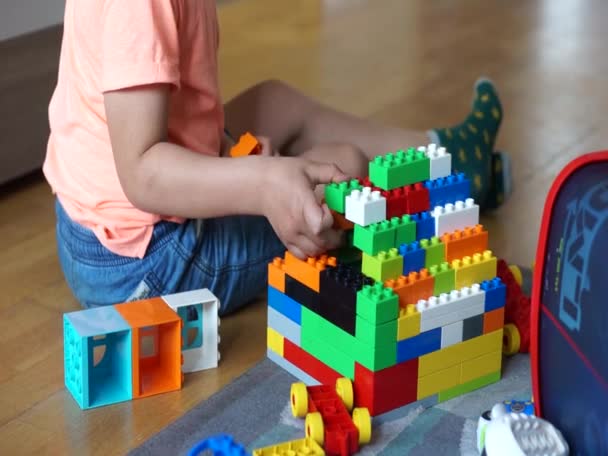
[149, 203]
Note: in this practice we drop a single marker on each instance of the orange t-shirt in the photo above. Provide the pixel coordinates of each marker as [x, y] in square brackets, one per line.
[116, 44]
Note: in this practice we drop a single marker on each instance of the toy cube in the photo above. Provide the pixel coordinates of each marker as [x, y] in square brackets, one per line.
[198, 310]
[97, 357]
[156, 338]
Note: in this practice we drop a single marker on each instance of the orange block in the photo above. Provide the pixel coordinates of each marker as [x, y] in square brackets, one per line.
[276, 274]
[411, 288]
[156, 346]
[341, 223]
[493, 320]
[465, 242]
[247, 145]
[307, 272]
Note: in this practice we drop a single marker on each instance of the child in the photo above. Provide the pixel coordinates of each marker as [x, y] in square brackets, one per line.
[148, 203]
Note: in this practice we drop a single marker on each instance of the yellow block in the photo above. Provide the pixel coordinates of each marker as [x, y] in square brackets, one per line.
[275, 341]
[438, 381]
[474, 269]
[302, 447]
[408, 324]
[457, 353]
[481, 366]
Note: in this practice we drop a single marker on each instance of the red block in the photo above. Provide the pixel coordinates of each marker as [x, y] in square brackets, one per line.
[387, 389]
[395, 202]
[417, 198]
[309, 364]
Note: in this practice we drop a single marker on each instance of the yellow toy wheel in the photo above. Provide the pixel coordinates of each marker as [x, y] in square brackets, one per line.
[299, 399]
[516, 274]
[314, 427]
[510, 339]
[344, 389]
[363, 422]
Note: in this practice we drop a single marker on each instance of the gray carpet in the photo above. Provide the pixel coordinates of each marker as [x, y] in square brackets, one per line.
[255, 410]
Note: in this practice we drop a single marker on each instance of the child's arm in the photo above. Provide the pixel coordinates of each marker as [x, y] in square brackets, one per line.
[163, 178]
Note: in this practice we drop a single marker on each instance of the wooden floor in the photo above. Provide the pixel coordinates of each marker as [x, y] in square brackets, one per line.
[410, 64]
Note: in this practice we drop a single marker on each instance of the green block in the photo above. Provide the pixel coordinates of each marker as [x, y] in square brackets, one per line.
[336, 193]
[376, 237]
[383, 266]
[406, 230]
[445, 278]
[434, 251]
[376, 358]
[316, 327]
[377, 304]
[374, 335]
[398, 169]
[334, 358]
[468, 387]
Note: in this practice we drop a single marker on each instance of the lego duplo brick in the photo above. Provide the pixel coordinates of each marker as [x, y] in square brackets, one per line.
[440, 164]
[276, 275]
[412, 287]
[274, 341]
[475, 269]
[285, 305]
[399, 169]
[395, 202]
[413, 257]
[421, 344]
[483, 365]
[376, 237]
[472, 327]
[452, 334]
[301, 447]
[416, 198]
[457, 216]
[301, 294]
[496, 294]
[364, 207]
[438, 381]
[493, 320]
[309, 364]
[336, 193]
[383, 266]
[408, 324]
[378, 357]
[466, 242]
[377, 304]
[445, 278]
[375, 335]
[284, 326]
[342, 317]
[307, 272]
[425, 225]
[405, 230]
[468, 387]
[315, 326]
[386, 389]
[449, 308]
[291, 368]
[450, 189]
[329, 355]
[341, 223]
[434, 251]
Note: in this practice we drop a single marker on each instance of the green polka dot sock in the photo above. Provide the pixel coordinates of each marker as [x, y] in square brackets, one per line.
[471, 143]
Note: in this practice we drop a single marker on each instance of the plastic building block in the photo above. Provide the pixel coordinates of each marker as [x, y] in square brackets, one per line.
[383, 266]
[375, 335]
[493, 320]
[376, 237]
[416, 198]
[408, 324]
[438, 381]
[449, 308]
[221, 445]
[448, 189]
[376, 358]
[467, 242]
[496, 294]
[399, 169]
[413, 257]
[341, 223]
[417, 346]
[336, 193]
[475, 269]
[434, 251]
[445, 278]
[291, 368]
[364, 207]
[472, 327]
[284, 326]
[412, 287]
[451, 334]
[247, 145]
[301, 447]
[478, 367]
[307, 272]
[274, 341]
[97, 357]
[467, 387]
[285, 305]
[395, 202]
[406, 230]
[301, 294]
[377, 304]
[276, 275]
[156, 346]
[440, 161]
[517, 306]
[425, 225]
[458, 216]
[386, 389]
[303, 360]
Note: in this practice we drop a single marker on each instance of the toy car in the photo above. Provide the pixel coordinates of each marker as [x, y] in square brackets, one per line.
[328, 421]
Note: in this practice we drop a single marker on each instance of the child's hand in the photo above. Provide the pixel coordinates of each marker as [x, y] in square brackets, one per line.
[302, 224]
[267, 149]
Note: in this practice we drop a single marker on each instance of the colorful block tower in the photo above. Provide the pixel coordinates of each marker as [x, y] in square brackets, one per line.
[418, 312]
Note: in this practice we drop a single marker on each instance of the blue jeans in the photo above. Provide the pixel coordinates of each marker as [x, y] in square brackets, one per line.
[227, 255]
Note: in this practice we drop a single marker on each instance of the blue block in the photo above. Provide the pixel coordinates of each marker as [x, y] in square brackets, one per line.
[422, 344]
[496, 293]
[285, 305]
[450, 189]
[425, 225]
[284, 326]
[413, 257]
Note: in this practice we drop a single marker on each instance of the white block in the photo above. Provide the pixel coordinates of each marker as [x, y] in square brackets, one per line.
[207, 355]
[450, 308]
[441, 161]
[458, 216]
[365, 207]
[451, 334]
